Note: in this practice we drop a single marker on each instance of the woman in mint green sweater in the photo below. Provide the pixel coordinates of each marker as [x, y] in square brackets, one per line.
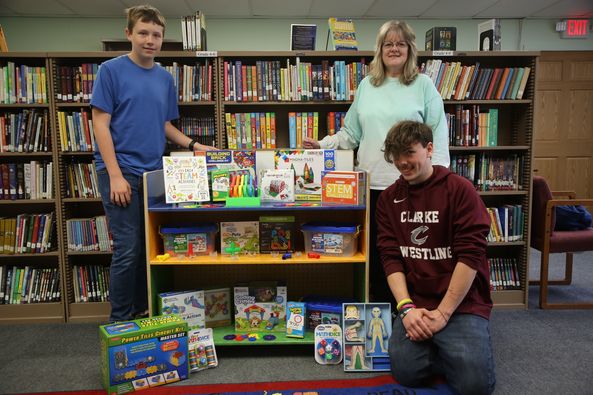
[393, 91]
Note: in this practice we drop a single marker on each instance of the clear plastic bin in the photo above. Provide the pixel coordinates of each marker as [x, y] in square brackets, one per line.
[331, 239]
[189, 240]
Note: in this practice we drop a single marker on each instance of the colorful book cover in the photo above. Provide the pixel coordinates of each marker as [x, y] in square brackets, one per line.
[343, 187]
[342, 34]
[308, 166]
[186, 179]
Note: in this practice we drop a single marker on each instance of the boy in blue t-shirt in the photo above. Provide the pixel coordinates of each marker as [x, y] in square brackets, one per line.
[133, 103]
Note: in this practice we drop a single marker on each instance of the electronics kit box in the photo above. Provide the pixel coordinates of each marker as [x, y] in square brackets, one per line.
[143, 353]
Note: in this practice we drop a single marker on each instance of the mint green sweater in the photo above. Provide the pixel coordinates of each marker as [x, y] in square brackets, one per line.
[376, 109]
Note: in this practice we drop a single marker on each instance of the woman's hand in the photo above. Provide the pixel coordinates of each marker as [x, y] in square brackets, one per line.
[310, 143]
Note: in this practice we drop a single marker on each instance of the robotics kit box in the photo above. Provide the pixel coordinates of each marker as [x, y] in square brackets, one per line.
[143, 353]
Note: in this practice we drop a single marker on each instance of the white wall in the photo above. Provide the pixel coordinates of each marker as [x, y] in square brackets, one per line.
[85, 34]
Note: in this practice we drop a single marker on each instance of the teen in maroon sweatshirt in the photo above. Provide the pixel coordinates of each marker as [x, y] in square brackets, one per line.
[432, 228]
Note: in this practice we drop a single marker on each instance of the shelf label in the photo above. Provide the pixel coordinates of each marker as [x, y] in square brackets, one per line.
[206, 54]
[442, 53]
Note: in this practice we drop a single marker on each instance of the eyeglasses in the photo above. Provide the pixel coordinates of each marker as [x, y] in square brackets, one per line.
[388, 45]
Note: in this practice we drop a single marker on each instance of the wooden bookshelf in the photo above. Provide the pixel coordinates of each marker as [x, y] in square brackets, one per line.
[515, 136]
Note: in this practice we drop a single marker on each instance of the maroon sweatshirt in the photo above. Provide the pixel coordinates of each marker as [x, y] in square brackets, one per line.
[423, 230]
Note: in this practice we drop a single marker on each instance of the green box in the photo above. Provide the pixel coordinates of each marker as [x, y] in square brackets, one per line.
[143, 353]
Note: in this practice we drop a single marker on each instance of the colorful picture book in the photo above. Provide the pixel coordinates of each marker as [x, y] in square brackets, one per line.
[186, 179]
[342, 34]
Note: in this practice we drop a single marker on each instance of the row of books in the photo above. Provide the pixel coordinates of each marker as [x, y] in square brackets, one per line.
[504, 274]
[489, 172]
[335, 121]
[91, 283]
[26, 234]
[194, 83]
[23, 84]
[506, 223]
[193, 32]
[20, 181]
[197, 127]
[303, 81]
[468, 127]
[25, 131]
[455, 81]
[24, 285]
[81, 180]
[301, 125]
[252, 130]
[74, 84]
[76, 131]
[88, 234]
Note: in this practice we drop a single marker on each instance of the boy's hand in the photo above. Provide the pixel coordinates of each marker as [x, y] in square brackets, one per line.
[416, 327]
[201, 147]
[121, 193]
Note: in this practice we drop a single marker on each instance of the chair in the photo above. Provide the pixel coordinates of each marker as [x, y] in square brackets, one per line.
[546, 240]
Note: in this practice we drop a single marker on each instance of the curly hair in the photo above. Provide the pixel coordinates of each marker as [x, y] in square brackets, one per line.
[404, 134]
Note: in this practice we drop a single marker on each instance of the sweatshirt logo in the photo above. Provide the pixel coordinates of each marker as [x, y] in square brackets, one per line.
[399, 201]
[416, 239]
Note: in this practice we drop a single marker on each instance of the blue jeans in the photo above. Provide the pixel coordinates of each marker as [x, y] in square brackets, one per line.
[461, 351]
[127, 283]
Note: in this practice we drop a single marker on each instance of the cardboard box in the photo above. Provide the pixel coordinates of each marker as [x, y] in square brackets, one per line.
[276, 234]
[441, 39]
[260, 307]
[239, 237]
[218, 307]
[143, 353]
[343, 187]
[189, 305]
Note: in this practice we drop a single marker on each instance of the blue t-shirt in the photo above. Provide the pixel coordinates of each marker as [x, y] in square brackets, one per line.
[140, 101]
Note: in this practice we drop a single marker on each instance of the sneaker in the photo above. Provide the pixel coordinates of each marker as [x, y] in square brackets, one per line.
[141, 314]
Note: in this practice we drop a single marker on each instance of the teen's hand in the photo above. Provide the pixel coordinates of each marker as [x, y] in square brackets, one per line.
[202, 147]
[435, 320]
[121, 193]
[310, 143]
[416, 327]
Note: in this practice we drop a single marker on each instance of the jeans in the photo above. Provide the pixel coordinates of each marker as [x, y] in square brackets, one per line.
[127, 283]
[461, 351]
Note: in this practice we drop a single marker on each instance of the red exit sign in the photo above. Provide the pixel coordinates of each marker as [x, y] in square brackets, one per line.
[574, 28]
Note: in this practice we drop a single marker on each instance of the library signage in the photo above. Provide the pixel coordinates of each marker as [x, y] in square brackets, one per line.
[574, 28]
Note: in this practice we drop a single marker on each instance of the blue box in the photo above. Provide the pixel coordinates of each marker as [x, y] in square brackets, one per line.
[143, 353]
[189, 240]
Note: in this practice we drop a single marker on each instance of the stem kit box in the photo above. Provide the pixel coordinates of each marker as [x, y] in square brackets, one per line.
[143, 353]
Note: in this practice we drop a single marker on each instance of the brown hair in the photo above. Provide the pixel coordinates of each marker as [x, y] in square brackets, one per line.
[402, 135]
[144, 13]
[377, 68]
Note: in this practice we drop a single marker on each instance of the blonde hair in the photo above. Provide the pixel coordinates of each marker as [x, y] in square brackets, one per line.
[144, 13]
[377, 68]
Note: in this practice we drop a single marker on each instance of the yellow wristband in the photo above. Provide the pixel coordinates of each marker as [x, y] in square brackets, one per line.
[403, 302]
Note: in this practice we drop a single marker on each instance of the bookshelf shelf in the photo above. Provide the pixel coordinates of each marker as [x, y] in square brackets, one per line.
[73, 105]
[280, 339]
[50, 254]
[23, 105]
[260, 259]
[88, 253]
[25, 154]
[31, 313]
[486, 149]
[81, 200]
[28, 201]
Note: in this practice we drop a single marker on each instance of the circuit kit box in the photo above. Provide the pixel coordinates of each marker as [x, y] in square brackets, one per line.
[143, 353]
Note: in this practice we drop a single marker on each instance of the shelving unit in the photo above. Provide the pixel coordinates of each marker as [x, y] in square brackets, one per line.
[31, 312]
[329, 276]
[515, 136]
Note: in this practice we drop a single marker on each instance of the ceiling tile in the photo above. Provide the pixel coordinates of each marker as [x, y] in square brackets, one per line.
[37, 8]
[280, 8]
[457, 8]
[112, 8]
[339, 8]
[567, 9]
[222, 8]
[513, 8]
[389, 9]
